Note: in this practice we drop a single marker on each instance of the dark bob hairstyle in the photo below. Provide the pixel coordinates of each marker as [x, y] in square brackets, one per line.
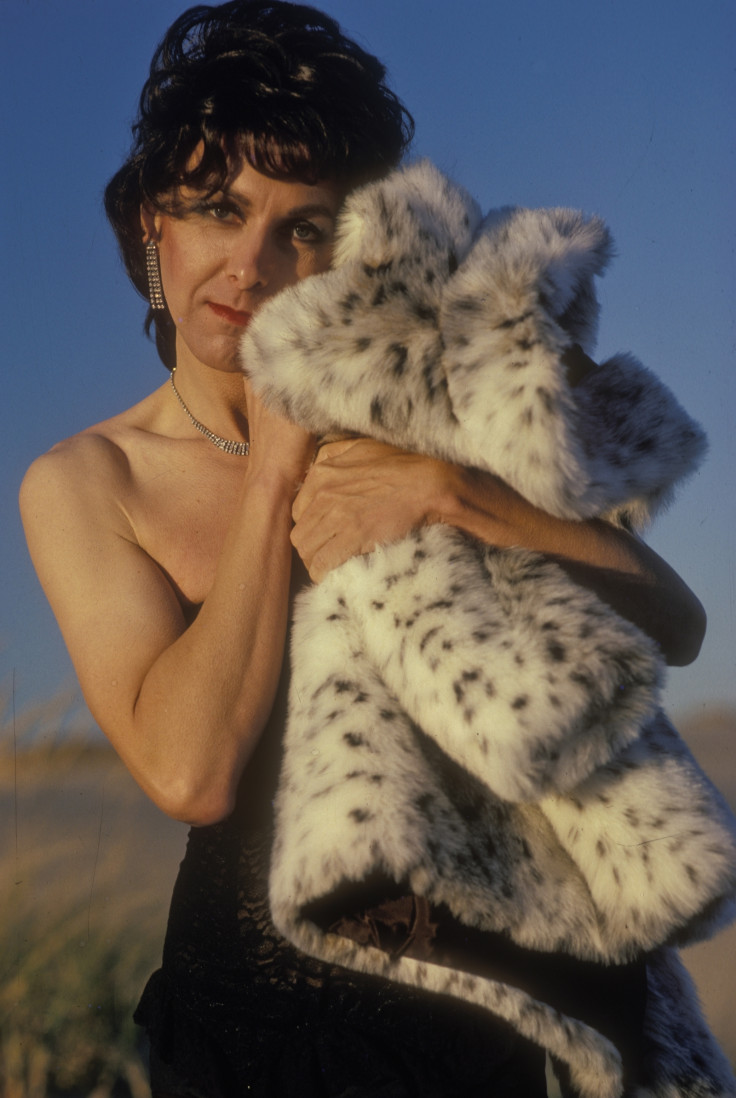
[272, 82]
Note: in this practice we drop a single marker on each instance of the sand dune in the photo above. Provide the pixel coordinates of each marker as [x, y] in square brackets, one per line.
[75, 828]
[712, 738]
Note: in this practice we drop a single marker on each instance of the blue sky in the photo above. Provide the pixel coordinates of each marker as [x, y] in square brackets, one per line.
[620, 107]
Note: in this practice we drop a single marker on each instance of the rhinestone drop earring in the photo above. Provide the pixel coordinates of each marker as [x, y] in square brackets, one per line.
[155, 289]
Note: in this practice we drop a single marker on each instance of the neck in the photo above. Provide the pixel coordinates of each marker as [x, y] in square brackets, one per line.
[215, 397]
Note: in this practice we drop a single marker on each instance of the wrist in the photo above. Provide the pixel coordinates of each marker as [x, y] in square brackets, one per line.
[449, 500]
[466, 497]
[271, 487]
[485, 507]
[279, 467]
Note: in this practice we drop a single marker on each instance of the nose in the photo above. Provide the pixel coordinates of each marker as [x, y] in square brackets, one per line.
[250, 260]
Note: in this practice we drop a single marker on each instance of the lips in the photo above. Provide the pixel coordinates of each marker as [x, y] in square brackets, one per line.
[232, 316]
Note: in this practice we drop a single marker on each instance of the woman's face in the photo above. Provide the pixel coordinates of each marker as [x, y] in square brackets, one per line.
[223, 256]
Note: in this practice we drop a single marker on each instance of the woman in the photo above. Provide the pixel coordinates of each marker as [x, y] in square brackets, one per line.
[170, 552]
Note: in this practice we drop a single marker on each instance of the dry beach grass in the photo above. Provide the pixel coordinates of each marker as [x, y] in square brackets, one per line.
[87, 868]
[87, 865]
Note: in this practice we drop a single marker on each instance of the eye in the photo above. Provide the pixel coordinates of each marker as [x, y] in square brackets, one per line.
[223, 210]
[306, 232]
[219, 209]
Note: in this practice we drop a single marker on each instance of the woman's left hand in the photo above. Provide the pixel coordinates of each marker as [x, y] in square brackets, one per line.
[359, 494]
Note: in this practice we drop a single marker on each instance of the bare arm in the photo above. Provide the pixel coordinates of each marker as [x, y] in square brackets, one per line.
[184, 704]
[361, 493]
[621, 569]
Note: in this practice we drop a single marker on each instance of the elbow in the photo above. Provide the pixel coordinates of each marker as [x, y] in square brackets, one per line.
[205, 815]
[192, 787]
[195, 804]
[687, 640]
[197, 813]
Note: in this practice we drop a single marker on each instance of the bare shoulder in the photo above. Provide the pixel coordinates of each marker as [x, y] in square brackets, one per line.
[77, 501]
[93, 465]
[83, 461]
[76, 485]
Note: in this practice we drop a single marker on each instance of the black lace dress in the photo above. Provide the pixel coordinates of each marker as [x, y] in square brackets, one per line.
[235, 1009]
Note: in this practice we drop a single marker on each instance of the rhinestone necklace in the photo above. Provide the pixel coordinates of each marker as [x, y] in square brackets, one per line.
[242, 449]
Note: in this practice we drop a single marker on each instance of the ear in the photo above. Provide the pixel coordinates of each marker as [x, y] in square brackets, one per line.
[150, 223]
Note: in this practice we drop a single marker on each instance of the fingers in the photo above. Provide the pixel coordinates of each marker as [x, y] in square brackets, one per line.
[331, 529]
[329, 450]
[322, 558]
[358, 494]
[327, 530]
[324, 533]
[321, 480]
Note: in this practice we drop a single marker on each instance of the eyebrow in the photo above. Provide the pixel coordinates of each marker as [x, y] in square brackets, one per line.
[315, 209]
[309, 209]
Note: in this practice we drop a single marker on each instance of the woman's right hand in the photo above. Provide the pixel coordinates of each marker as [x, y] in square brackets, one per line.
[277, 446]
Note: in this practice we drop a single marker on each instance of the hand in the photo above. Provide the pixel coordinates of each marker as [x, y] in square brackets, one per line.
[277, 446]
[577, 364]
[359, 494]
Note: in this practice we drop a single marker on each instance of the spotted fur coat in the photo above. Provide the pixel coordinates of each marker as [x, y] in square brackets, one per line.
[467, 720]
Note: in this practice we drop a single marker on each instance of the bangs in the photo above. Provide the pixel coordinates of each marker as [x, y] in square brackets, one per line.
[206, 163]
[285, 157]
